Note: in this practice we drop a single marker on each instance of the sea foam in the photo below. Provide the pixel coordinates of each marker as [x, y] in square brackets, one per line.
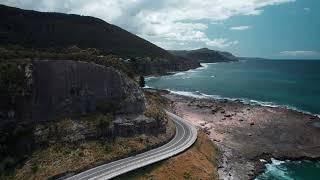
[200, 95]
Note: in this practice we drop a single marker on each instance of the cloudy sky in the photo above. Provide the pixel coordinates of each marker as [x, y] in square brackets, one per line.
[260, 28]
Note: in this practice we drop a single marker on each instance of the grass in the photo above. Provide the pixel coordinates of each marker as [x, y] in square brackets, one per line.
[58, 158]
[198, 162]
[155, 107]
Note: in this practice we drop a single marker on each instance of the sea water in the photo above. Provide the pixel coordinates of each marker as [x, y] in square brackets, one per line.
[292, 84]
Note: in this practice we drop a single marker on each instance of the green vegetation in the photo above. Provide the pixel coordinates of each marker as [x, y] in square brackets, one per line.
[32, 29]
[156, 104]
[154, 97]
[57, 158]
[92, 55]
[13, 83]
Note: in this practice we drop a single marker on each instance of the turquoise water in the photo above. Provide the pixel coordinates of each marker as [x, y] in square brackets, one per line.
[295, 84]
[289, 83]
[291, 170]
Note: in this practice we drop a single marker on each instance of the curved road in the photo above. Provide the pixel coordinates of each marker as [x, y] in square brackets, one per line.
[186, 135]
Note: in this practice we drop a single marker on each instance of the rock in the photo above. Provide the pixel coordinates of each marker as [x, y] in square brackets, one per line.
[206, 130]
[215, 110]
[252, 124]
[202, 124]
[65, 88]
[241, 120]
[126, 126]
[227, 115]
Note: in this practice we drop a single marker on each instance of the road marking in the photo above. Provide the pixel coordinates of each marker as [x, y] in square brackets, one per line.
[150, 157]
[146, 158]
[145, 154]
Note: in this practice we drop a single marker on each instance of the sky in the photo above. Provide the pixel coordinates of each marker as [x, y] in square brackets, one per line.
[252, 28]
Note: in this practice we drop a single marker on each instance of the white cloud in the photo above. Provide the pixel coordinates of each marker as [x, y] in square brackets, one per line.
[168, 23]
[240, 28]
[299, 53]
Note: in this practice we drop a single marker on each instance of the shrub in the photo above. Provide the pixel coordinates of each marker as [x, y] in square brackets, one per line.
[155, 112]
[104, 121]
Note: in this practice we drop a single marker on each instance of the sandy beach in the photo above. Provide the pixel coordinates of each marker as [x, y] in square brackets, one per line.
[247, 135]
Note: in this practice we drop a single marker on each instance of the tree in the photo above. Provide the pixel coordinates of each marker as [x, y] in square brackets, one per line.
[142, 82]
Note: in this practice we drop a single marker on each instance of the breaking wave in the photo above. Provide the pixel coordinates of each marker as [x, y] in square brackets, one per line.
[200, 95]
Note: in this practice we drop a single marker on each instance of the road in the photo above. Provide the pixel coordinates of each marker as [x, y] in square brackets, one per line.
[186, 135]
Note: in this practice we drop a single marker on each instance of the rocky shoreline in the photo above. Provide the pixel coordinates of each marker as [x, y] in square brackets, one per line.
[250, 135]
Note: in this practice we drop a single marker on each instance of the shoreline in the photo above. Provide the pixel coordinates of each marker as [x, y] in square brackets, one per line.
[242, 130]
[245, 101]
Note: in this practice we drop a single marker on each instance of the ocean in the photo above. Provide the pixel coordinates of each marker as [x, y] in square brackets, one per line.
[293, 84]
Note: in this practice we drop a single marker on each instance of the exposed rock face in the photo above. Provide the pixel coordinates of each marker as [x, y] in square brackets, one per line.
[129, 126]
[63, 102]
[75, 130]
[67, 88]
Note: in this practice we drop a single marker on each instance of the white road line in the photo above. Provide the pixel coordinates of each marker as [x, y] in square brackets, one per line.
[131, 163]
[141, 160]
[146, 154]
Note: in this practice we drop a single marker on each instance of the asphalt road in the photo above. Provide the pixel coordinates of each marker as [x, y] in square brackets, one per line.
[186, 135]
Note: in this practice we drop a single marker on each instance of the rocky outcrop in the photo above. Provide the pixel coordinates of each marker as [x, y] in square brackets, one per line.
[129, 126]
[96, 127]
[66, 88]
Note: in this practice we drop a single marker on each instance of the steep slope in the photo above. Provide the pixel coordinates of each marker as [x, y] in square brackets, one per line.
[206, 55]
[48, 107]
[38, 32]
[48, 30]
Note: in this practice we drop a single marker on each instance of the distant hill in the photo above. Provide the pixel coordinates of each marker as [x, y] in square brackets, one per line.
[206, 55]
[55, 30]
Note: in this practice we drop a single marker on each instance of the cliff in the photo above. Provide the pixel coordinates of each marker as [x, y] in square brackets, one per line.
[206, 55]
[54, 103]
[64, 88]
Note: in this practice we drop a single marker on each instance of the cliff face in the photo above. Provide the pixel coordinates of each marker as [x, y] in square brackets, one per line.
[45, 103]
[66, 88]
[206, 55]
